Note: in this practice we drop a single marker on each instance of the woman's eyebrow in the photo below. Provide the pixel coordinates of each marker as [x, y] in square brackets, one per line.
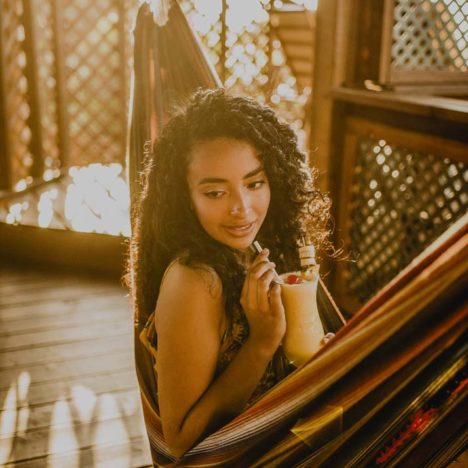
[217, 180]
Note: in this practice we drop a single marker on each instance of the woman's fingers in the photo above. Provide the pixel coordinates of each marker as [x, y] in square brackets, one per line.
[260, 258]
[254, 279]
[263, 290]
[276, 304]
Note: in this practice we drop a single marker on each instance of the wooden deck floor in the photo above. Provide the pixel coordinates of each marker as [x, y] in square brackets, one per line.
[68, 391]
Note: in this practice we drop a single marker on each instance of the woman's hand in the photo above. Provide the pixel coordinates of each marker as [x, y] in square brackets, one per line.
[261, 301]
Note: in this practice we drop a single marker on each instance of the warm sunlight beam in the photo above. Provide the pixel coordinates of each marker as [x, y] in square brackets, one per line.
[98, 199]
[62, 437]
[24, 380]
[8, 424]
[111, 431]
[83, 401]
[45, 207]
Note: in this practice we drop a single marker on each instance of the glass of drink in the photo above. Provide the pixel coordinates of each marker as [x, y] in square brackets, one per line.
[304, 329]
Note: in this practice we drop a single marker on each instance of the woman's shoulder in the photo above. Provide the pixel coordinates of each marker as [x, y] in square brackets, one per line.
[199, 279]
[189, 297]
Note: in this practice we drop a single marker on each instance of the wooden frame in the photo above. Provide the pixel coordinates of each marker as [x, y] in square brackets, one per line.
[356, 127]
[392, 77]
[101, 253]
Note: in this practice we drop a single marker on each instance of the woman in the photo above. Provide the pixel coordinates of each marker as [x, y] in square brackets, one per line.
[224, 172]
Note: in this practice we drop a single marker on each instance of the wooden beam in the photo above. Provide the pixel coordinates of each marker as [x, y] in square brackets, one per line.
[416, 141]
[60, 77]
[323, 81]
[443, 108]
[123, 98]
[5, 169]
[77, 250]
[32, 73]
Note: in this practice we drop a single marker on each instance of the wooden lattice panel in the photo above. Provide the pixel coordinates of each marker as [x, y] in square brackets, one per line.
[47, 83]
[401, 200]
[205, 19]
[17, 106]
[430, 35]
[95, 80]
[249, 61]
[242, 60]
[247, 41]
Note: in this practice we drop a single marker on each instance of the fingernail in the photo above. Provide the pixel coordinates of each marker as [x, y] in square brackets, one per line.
[265, 251]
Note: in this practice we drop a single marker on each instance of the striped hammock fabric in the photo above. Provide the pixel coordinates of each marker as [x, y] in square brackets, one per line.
[313, 406]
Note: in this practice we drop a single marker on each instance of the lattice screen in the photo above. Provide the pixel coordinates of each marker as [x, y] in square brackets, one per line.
[64, 76]
[401, 201]
[94, 80]
[250, 61]
[205, 19]
[430, 35]
[16, 92]
[80, 68]
[244, 67]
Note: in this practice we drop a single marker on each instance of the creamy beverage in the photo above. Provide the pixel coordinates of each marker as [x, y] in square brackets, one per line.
[304, 329]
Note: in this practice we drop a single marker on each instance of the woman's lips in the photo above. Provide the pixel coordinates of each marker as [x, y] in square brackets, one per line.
[240, 230]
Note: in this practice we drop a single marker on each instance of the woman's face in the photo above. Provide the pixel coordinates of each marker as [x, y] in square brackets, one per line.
[229, 190]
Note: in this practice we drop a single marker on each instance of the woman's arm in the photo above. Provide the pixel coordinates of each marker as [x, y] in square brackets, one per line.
[189, 316]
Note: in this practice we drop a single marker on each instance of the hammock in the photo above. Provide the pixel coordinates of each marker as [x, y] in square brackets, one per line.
[316, 412]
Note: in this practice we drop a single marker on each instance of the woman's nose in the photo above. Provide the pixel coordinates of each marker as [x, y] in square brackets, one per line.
[240, 204]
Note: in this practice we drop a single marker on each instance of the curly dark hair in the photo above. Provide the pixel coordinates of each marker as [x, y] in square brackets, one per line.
[166, 227]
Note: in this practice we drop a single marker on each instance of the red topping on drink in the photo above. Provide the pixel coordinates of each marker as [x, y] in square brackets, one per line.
[293, 279]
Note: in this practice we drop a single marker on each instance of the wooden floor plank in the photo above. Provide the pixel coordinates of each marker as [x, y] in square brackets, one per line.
[70, 436]
[44, 295]
[78, 317]
[62, 307]
[40, 416]
[46, 392]
[49, 372]
[129, 454]
[88, 331]
[63, 351]
[68, 389]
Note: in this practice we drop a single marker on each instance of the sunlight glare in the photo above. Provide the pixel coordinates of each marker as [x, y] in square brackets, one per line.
[83, 401]
[241, 13]
[14, 215]
[62, 437]
[45, 207]
[24, 380]
[307, 4]
[7, 424]
[111, 431]
[98, 199]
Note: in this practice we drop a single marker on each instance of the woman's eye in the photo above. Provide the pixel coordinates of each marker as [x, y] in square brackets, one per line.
[256, 184]
[214, 194]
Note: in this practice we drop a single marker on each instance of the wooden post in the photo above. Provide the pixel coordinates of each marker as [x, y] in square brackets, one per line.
[5, 169]
[123, 78]
[60, 77]
[386, 50]
[369, 41]
[223, 41]
[32, 74]
[323, 80]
